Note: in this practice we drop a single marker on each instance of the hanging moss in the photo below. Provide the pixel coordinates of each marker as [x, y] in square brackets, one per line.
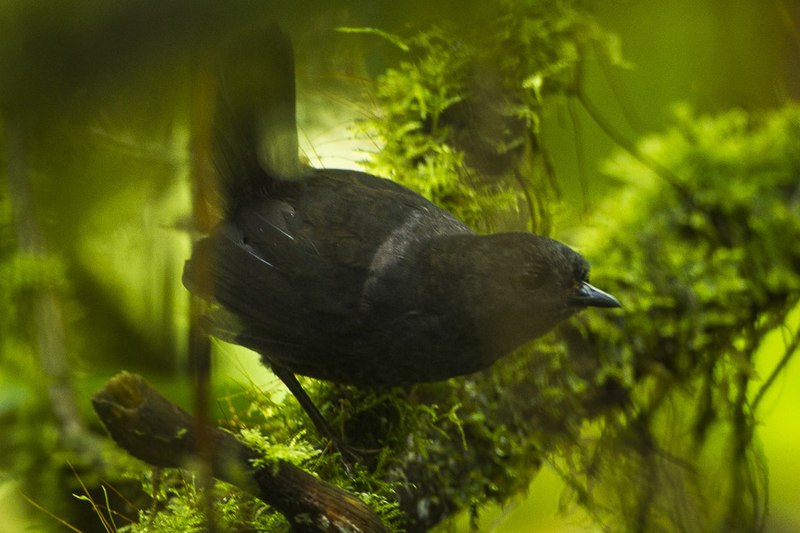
[705, 262]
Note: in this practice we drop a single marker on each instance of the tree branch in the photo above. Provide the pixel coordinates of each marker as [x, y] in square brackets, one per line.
[153, 429]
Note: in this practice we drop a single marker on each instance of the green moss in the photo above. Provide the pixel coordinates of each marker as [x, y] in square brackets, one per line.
[459, 119]
[178, 502]
[703, 261]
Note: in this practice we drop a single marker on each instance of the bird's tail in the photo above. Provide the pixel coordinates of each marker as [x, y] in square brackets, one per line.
[255, 128]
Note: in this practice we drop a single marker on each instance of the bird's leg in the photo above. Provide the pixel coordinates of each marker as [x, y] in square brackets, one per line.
[347, 452]
[306, 403]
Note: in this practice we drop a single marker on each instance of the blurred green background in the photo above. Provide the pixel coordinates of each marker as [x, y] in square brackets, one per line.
[96, 111]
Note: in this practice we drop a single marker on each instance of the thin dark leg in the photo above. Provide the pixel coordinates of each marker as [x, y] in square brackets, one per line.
[318, 420]
[305, 401]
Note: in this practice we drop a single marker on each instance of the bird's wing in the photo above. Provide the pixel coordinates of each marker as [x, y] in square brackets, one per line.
[312, 266]
[291, 277]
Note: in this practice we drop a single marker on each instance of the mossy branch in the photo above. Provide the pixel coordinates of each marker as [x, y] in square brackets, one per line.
[153, 429]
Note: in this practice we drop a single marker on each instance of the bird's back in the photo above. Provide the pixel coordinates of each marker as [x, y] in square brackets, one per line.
[322, 270]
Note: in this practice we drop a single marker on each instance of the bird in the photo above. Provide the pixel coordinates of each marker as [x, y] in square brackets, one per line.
[347, 277]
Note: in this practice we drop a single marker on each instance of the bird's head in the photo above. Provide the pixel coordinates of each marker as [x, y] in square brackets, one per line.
[524, 285]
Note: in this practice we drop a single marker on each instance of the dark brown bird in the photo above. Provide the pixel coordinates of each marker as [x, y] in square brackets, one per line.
[347, 277]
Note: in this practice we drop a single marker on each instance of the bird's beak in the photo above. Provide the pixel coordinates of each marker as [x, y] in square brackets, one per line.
[589, 296]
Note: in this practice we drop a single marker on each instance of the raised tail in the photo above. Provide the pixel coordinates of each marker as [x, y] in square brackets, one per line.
[255, 126]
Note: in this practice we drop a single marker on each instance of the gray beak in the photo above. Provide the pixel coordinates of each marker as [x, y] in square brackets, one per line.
[589, 296]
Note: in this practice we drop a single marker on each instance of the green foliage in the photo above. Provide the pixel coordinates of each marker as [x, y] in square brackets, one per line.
[178, 501]
[416, 146]
[705, 262]
[294, 452]
[459, 121]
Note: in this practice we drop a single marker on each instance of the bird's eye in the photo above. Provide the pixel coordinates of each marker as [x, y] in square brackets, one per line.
[533, 279]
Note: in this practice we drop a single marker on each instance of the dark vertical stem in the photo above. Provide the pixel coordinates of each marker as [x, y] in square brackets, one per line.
[202, 178]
